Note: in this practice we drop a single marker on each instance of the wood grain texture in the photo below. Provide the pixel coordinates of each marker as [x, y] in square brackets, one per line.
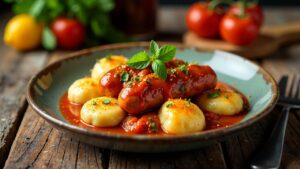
[15, 71]
[14, 75]
[38, 145]
[208, 157]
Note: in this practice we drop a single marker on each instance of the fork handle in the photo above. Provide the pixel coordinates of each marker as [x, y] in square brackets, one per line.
[270, 155]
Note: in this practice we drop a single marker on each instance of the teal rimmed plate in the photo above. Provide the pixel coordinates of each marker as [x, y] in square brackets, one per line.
[47, 86]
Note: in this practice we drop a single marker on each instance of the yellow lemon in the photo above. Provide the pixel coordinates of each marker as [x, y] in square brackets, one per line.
[22, 32]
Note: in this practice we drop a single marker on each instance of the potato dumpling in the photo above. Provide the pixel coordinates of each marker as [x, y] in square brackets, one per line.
[102, 112]
[221, 101]
[83, 90]
[179, 116]
[105, 64]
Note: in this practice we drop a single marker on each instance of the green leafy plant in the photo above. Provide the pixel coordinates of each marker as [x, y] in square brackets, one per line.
[157, 58]
[93, 14]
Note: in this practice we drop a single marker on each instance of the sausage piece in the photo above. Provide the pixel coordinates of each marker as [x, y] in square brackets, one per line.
[152, 91]
[110, 84]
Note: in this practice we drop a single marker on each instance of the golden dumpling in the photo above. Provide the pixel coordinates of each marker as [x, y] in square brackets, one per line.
[179, 116]
[102, 112]
[83, 90]
[221, 101]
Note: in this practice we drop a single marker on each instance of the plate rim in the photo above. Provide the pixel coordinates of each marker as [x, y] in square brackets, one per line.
[206, 135]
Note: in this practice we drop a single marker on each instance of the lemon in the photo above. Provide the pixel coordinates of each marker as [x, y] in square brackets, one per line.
[22, 32]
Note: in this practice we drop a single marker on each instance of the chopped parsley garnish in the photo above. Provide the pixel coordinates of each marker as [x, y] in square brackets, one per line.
[106, 101]
[169, 104]
[116, 73]
[124, 77]
[226, 96]
[136, 79]
[94, 103]
[183, 68]
[153, 127]
[108, 57]
[214, 94]
[148, 82]
[173, 71]
[188, 104]
[182, 88]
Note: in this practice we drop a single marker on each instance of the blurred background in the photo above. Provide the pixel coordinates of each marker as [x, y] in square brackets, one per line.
[95, 22]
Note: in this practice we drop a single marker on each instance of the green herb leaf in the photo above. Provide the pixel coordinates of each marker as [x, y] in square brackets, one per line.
[108, 57]
[94, 103]
[167, 53]
[154, 49]
[169, 104]
[153, 127]
[183, 68]
[106, 101]
[48, 39]
[124, 77]
[160, 69]
[37, 8]
[139, 61]
[214, 94]
[182, 88]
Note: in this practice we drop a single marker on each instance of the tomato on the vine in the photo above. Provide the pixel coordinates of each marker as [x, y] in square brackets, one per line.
[239, 30]
[251, 9]
[69, 33]
[204, 20]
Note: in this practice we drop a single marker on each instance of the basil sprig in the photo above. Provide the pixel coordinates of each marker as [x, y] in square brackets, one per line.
[158, 57]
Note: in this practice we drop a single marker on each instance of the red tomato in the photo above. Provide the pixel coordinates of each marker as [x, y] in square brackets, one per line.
[252, 10]
[237, 30]
[69, 33]
[203, 21]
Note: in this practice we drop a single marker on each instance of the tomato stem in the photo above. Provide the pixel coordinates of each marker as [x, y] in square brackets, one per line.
[214, 3]
[243, 4]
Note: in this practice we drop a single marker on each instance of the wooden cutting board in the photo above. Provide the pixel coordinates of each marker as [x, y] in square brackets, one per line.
[269, 40]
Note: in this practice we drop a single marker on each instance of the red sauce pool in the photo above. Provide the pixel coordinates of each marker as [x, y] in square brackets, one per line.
[71, 112]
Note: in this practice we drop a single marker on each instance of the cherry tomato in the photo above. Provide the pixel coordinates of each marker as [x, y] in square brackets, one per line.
[239, 30]
[253, 10]
[69, 33]
[203, 21]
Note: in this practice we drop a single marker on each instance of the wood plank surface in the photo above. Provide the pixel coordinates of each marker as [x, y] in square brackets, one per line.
[14, 75]
[38, 145]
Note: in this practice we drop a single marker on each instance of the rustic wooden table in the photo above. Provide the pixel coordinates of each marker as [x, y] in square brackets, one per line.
[27, 141]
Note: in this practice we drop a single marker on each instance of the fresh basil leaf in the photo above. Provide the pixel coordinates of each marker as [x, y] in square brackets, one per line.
[23, 6]
[124, 77]
[139, 61]
[167, 53]
[159, 68]
[154, 49]
[106, 5]
[48, 39]
[37, 8]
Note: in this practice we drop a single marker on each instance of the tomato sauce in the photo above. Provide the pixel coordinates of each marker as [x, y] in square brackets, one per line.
[71, 112]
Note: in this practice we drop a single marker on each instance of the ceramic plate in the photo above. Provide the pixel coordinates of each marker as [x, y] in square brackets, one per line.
[47, 86]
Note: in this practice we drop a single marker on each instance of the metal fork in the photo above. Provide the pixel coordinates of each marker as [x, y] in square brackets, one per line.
[269, 156]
